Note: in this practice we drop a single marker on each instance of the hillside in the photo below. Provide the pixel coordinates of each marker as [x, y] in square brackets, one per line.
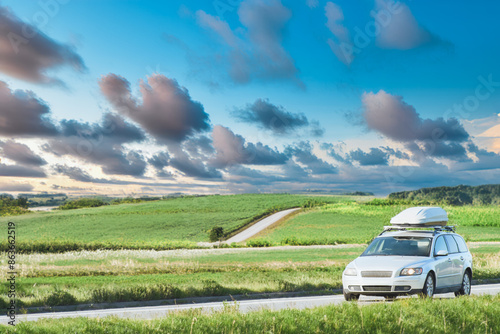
[153, 224]
[488, 194]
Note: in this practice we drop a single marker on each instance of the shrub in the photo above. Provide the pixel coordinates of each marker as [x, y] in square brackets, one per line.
[259, 243]
[216, 233]
[59, 297]
[83, 203]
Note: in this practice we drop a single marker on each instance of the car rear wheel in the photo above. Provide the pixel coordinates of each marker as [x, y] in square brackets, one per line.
[466, 282]
[350, 296]
[428, 290]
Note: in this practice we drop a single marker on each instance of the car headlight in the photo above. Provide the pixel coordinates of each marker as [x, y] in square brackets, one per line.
[350, 272]
[411, 271]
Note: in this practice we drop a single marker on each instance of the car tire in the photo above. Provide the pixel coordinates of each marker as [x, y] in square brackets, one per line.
[350, 296]
[466, 285]
[429, 286]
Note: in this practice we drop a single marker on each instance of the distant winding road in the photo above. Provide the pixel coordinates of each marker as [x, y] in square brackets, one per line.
[151, 312]
[260, 225]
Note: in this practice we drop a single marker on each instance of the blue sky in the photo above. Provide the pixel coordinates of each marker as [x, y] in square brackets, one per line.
[253, 95]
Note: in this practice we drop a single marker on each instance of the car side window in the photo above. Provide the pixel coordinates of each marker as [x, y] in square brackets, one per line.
[452, 244]
[462, 246]
[440, 245]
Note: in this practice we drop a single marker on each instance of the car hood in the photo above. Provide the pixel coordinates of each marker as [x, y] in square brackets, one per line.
[388, 262]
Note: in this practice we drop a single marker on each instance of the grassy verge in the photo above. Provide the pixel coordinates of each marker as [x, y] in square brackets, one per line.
[159, 223]
[114, 276]
[359, 223]
[459, 315]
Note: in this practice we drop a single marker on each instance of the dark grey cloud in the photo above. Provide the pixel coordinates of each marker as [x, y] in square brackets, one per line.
[194, 167]
[78, 174]
[303, 153]
[275, 118]
[21, 171]
[101, 144]
[200, 146]
[166, 110]
[20, 153]
[15, 186]
[375, 157]
[256, 53]
[396, 153]
[159, 161]
[232, 149]
[27, 54]
[23, 114]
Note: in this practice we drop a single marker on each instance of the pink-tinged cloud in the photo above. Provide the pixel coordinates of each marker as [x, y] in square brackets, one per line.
[27, 54]
[400, 29]
[232, 149]
[391, 116]
[166, 109]
[23, 114]
[20, 153]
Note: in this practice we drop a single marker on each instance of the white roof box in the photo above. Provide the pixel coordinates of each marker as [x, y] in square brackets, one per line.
[421, 216]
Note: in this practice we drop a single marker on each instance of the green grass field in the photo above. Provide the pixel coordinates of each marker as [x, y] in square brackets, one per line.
[413, 315]
[153, 223]
[113, 276]
[359, 223]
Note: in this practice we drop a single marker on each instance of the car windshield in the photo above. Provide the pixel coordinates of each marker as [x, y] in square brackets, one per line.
[404, 246]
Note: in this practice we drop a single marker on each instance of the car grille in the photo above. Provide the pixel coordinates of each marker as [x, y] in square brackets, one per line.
[376, 273]
[376, 288]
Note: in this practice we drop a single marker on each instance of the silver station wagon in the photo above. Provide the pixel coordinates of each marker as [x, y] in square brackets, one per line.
[403, 260]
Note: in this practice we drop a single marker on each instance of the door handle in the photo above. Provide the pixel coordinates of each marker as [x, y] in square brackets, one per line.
[461, 258]
[449, 260]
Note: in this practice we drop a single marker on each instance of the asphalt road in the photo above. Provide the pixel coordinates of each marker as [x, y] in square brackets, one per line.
[259, 226]
[151, 312]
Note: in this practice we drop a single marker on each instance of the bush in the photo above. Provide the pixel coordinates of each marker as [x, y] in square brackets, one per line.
[83, 203]
[216, 233]
[311, 203]
[259, 243]
[59, 297]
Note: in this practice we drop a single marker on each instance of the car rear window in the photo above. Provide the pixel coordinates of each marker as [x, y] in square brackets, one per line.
[452, 244]
[462, 246]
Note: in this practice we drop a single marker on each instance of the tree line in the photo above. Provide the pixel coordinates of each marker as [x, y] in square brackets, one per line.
[488, 194]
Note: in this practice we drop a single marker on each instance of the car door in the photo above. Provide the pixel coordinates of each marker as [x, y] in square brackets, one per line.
[443, 264]
[456, 259]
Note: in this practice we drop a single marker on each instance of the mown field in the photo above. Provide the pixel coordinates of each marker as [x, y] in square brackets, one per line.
[413, 315]
[359, 223]
[114, 276]
[49, 275]
[164, 224]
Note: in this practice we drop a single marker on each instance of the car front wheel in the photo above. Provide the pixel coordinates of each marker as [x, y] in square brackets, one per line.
[466, 282]
[428, 290]
[350, 296]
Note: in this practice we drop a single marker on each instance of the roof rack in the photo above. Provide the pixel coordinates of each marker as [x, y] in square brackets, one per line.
[406, 226]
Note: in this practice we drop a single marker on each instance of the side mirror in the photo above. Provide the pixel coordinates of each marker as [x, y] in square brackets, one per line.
[442, 252]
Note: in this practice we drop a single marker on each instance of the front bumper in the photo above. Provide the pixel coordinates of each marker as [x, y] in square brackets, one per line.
[383, 286]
